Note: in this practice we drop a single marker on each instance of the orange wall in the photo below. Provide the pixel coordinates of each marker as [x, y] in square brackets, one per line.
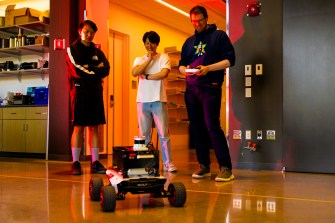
[135, 26]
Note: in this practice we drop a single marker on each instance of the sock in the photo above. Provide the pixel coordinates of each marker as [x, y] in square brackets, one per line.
[95, 154]
[75, 154]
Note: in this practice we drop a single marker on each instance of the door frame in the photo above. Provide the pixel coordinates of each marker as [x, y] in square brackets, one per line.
[117, 111]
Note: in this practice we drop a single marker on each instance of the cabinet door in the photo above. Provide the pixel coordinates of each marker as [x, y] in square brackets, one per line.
[1, 129]
[14, 113]
[1, 135]
[14, 137]
[36, 112]
[36, 136]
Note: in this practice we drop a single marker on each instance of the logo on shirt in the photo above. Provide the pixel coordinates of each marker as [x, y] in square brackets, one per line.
[200, 49]
[95, 57]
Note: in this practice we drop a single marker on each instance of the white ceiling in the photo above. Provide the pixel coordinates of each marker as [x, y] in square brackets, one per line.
[150, 8]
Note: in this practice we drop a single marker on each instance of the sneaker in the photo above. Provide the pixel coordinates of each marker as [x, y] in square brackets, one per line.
[202, 172]
[97, 167]
[170, 167]
[225, 175]
[76, 168]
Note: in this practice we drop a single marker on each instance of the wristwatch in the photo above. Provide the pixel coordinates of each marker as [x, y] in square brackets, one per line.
[146, 76]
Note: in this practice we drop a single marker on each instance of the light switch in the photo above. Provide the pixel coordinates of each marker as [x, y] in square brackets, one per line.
[247, 70]
[259, 69]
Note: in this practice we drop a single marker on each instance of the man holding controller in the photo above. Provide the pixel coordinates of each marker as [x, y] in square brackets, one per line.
[204, 58]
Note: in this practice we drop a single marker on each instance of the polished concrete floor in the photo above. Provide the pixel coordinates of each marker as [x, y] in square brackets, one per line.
[44, 191]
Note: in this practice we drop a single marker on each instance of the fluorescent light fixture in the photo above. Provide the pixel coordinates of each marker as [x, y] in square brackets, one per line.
[173, 8]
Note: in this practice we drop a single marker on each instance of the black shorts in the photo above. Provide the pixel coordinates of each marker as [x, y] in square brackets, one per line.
[87, 109]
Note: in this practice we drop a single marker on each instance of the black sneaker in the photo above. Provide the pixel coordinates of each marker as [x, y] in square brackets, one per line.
[97, 167]
[202, 172]
[76, 168]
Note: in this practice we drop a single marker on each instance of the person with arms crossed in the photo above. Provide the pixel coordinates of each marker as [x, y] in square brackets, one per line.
[208, 52]
[86, 68]
[152, 70]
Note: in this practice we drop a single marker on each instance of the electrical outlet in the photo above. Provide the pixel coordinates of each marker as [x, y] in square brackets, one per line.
[270, 134]
[248, 134]
[248, 81]
[248, 92]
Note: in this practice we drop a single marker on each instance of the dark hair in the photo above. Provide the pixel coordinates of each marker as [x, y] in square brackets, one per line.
[199, 10]
[87, 22]
[152, 36]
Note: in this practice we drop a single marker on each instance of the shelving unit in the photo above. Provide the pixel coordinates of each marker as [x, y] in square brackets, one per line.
[29, 29]
[176, 85]
[19, 73]
[24, 128]
[34, 28]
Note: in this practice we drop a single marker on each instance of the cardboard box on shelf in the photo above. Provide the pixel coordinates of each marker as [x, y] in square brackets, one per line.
[26, 15]
[42, 40]
[2, 21]
[20, 16]
[9, 15]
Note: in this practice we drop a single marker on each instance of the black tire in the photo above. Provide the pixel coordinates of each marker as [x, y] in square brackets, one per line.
[94, 189]
[178, 194]
[108, 198]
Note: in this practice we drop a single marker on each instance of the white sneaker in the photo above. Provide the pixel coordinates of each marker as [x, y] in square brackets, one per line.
[170, 167]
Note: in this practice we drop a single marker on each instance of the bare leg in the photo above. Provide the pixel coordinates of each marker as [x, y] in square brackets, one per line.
[77, 137]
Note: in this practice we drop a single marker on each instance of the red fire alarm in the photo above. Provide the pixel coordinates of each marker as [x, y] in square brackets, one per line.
[98, 45]
[59, 44]
[254, 9]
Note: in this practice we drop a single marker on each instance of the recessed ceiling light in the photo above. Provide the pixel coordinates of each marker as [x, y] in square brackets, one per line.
[173, 8]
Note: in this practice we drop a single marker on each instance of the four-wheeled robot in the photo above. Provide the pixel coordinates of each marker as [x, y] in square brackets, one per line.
[136, 170]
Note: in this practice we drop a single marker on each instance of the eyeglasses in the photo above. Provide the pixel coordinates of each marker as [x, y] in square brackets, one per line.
[197, 21]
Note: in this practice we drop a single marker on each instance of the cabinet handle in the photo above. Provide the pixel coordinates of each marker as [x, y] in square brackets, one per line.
[27, 127]
[13, 113]
[41, 113]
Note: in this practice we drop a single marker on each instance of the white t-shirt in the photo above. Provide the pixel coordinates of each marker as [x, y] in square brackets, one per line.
[152, 90]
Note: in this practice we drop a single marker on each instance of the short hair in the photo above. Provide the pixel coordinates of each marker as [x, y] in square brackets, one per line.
[152, 36]
[87, 22]
[199, 10]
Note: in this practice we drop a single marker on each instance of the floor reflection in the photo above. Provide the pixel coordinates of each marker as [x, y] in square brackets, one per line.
[43, 191]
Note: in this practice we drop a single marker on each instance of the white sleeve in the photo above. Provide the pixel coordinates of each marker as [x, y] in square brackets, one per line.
[137, 61]
[165, 61]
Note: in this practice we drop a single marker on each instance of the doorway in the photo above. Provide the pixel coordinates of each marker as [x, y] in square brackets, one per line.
[117, 92]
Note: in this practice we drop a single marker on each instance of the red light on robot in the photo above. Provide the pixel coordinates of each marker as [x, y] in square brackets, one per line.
[254, 9]
[59, 44]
